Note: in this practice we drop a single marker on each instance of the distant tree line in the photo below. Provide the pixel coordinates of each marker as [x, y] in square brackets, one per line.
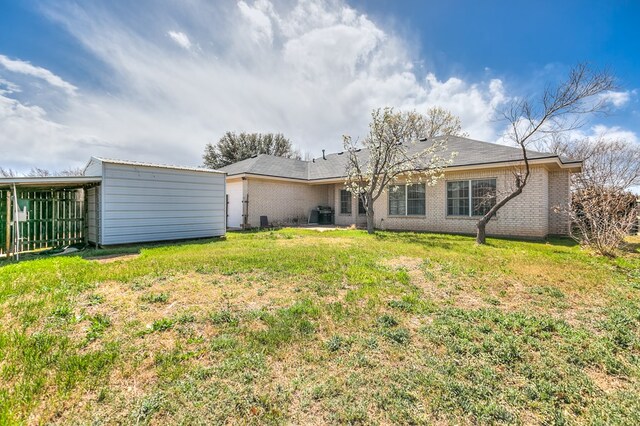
[39, 172]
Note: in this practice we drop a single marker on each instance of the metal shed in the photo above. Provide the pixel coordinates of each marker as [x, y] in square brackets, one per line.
[115, 202]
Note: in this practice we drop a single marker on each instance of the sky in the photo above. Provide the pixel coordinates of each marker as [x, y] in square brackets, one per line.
[157, 80]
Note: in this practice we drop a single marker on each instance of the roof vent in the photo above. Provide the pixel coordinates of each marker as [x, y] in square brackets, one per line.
[340, 153]
[323, 157]
[313, 160]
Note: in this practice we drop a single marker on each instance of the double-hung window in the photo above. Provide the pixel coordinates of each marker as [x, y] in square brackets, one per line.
[473, 197]
[345, 201]
[407, 200]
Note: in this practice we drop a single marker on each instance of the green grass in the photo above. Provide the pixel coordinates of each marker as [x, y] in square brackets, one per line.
[297, 326]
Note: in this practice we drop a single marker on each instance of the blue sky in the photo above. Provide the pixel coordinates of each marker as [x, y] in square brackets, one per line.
[155, 80]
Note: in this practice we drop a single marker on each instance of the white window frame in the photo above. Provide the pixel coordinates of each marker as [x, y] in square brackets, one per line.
[470, 196]
[350, 201]
[406, 201]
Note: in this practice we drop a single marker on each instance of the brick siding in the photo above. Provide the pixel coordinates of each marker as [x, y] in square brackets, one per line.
[532, 214]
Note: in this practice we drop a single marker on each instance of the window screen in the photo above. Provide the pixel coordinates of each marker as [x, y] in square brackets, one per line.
[397, 201]
[416, 199]
[345, 202]
[483, 196]
[458, 198]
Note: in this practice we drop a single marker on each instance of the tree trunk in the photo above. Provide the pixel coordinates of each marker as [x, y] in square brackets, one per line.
[369, 210]
[481, 236]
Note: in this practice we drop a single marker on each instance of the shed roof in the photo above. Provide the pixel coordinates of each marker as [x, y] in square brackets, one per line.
[50, 181]
[163, 166]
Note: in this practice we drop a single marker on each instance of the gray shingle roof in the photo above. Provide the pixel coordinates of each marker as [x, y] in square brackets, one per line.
[469, 152]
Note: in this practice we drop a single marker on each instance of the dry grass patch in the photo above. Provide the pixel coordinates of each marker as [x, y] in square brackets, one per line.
[114, 258]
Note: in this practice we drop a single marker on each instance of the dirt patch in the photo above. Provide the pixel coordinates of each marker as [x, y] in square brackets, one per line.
[435, 289]
[307, 242]
[114, 257]
[605, 382]
[132, 303]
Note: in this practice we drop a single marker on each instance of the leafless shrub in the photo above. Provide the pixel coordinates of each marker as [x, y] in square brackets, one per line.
[603, 212]
[603, 217]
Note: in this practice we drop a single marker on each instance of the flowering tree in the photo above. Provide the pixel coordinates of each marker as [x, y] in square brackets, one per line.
[394, 148]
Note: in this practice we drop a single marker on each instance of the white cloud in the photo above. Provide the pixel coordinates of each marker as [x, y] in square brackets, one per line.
[24, 67]
[181, 39]
[258, 19]
[606, 132]
[8, 87]
[617, 99]
[312, 71]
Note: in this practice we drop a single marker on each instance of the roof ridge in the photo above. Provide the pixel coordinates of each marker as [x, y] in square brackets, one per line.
[159, 165]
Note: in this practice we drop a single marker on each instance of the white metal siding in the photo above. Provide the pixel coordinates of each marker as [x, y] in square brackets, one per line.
[234, 191]
[93, 214]
[94, 168]
[142, 203]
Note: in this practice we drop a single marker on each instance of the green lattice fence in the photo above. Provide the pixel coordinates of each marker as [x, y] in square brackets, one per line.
[54, 218]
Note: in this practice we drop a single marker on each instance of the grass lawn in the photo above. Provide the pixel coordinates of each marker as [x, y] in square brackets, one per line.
[311, 327]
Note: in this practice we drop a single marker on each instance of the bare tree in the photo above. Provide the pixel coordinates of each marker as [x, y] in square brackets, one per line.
[390, 151]
[233, 147]
[7, 173]
[607, 163]
[603, 211]
[559, 109]
[441, 122]
[40, 172]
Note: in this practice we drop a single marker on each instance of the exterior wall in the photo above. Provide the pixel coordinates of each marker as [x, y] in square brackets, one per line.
[94, 168]
[283, 202]
[525, 216]
[93, 214]
[559, 198]
[144, 203]
[235, 206]
[348, 219]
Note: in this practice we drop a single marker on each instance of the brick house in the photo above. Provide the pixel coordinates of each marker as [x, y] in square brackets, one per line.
[286, 190]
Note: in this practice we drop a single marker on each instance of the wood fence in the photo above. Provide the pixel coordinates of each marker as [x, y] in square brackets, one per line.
[54, 218]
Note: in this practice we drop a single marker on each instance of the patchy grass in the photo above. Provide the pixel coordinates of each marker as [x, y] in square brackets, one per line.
[297, 326]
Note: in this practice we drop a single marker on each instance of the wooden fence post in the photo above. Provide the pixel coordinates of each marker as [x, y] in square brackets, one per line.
[7, 231]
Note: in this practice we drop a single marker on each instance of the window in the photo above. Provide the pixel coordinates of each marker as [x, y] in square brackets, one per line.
[458, 198]
[416, 199]
[397, 201]
[345, 202]
[483, 196]
[361, 209]
[470, 197]
[407, 200]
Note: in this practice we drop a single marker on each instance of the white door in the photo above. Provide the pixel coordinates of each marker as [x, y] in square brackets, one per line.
[234, 192]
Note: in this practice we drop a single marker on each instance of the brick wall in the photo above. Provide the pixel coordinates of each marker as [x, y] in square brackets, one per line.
[525, 216]
[559, 198]
[529, 215]
[283, 202]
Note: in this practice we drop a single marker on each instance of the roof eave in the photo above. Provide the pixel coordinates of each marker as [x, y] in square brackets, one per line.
[50, 181]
